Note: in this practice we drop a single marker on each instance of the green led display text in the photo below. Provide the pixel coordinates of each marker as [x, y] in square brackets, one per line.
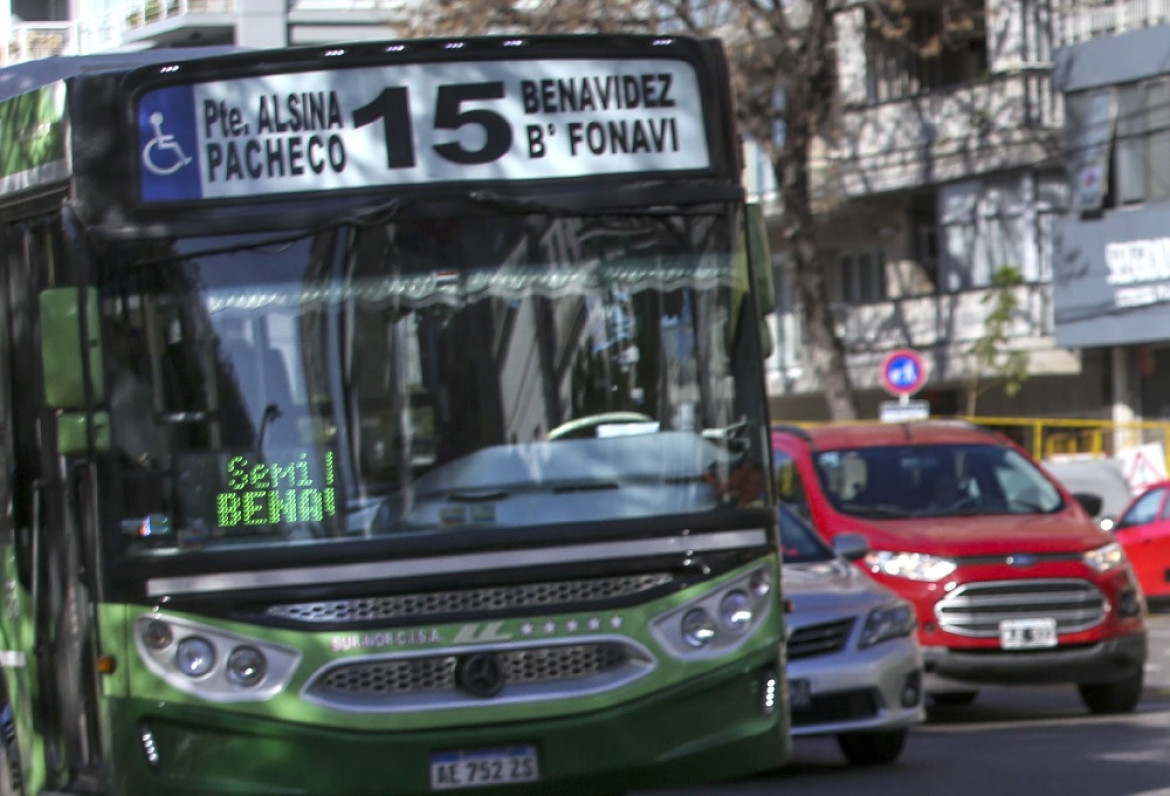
[268, 493]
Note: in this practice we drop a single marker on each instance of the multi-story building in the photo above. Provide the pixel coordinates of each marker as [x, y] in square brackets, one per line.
[944, 165]
[38, 29]
[1111, 283]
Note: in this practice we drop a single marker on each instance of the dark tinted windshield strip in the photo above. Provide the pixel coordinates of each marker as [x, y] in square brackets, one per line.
[681, 544]
[1020, 559]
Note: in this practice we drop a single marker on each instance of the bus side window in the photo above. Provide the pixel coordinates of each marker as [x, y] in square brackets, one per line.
[789, 486]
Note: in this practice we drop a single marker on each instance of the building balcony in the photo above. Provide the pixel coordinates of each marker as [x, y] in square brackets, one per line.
[366, 9]
[30, 41]
[175, 22]
[319, 21]
[1011, 119]
[941, 327]
[1081, 20]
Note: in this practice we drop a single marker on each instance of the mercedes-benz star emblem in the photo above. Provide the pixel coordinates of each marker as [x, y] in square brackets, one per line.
[480, 674]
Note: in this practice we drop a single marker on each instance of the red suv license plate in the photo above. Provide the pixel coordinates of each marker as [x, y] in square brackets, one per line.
[1018, 634]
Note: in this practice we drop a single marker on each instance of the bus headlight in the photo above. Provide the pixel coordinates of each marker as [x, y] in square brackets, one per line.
[157, 635]
[246, 666]
[210, 662]
[195, 656]
[760, 583]
[698, 628]
[719, 619]
[735, 610]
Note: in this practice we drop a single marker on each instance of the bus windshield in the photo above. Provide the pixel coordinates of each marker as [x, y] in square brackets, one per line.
[415, 378]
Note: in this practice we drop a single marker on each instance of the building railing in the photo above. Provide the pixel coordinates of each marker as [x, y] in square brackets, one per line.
[30, 41]
[385, 6]
[942, 319]
[943, 325]
[1080, 20]
[947, 134]
[140, 13]
[1049, 438]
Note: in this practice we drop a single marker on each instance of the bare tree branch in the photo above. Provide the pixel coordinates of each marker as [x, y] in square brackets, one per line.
[784, 61]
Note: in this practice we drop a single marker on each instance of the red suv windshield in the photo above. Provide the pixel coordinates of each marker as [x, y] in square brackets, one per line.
[938, 480]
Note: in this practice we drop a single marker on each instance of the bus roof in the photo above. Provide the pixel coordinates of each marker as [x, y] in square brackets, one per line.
[143, 144]
[29, 75]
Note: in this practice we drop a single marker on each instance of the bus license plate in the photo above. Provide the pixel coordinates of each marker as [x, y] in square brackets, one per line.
[475, 768]
[1015, 634]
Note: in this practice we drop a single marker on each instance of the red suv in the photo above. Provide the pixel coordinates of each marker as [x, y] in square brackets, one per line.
[1012, 581]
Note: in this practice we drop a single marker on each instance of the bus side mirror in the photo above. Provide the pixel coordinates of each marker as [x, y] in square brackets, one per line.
[759, 252]
[73, 433]
[66, 348]
[64, 343]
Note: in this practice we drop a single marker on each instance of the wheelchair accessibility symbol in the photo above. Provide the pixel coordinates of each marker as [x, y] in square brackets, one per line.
[163, 155]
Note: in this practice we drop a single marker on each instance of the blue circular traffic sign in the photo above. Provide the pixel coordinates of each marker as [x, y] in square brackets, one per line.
[903, 372]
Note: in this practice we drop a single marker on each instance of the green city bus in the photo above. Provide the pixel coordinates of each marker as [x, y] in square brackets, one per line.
[384, 418]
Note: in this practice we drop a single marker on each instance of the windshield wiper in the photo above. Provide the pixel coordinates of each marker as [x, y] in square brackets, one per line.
[576, 208]
[1031, 507]
[956, 511]
[369, 216]
[880, 510]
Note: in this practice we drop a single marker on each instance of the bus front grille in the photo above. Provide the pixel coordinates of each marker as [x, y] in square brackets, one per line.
[496, 599]
[433, 681]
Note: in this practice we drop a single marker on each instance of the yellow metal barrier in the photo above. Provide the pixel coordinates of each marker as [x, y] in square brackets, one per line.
[1045, 437]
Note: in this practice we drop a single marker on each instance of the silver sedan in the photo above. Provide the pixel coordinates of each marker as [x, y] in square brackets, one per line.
[854, 665]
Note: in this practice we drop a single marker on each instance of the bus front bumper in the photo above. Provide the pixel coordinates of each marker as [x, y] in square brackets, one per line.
[712, 727]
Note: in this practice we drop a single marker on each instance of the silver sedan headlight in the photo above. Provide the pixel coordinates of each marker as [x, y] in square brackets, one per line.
[893, 620]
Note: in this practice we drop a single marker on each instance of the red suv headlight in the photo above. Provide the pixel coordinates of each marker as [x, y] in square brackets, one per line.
[912, 566]
[1105, 558]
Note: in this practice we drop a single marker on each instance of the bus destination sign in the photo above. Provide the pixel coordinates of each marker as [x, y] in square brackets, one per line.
[225, 493]
[418, 124]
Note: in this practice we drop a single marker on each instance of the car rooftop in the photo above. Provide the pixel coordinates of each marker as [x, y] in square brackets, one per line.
[878, 434]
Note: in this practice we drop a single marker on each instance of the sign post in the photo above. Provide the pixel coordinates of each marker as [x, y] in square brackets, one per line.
[903, 374]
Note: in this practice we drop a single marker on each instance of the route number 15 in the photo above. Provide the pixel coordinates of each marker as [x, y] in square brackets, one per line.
[392, 106]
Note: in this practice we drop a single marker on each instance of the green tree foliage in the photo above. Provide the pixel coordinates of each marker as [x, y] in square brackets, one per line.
[993, 363]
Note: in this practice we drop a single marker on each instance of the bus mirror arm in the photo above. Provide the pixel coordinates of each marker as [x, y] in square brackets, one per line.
[39, 644]
[271, 412]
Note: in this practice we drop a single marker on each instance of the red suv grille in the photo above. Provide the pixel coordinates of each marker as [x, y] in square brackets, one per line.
[976, 609]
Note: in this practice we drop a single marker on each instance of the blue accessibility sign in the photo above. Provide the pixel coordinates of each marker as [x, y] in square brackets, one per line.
[168, 146]
[903, 372]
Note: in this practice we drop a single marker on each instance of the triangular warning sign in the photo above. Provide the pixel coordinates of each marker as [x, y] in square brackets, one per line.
[1142, 471]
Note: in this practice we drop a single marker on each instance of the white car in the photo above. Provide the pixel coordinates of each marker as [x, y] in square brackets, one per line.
[854, 665]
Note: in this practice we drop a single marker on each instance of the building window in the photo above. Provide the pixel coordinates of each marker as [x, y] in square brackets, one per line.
[924, 244]
[787, 329]
[1119, 145]
[987, 224]
[1090, 119]
[922, 51]
[861, 277]
[1141, 152]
